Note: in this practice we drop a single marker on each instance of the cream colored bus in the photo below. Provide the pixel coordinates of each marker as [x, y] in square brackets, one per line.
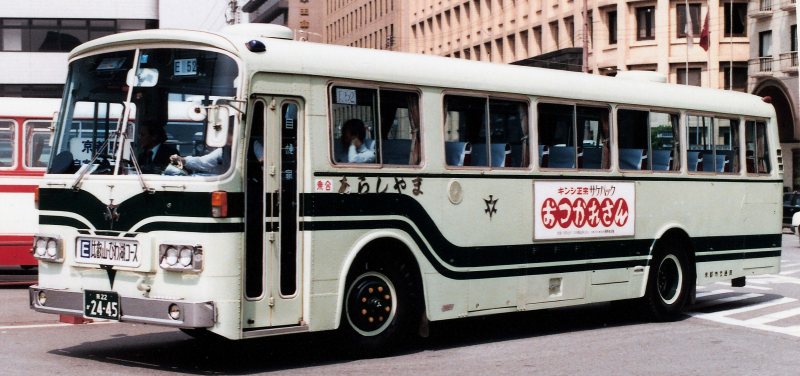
[320, 187]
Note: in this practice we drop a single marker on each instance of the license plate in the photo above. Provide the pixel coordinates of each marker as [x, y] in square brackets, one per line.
[107, 251]
[101, 304]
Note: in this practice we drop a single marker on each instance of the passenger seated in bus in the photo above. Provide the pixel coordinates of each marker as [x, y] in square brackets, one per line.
[355, 148]
[214, 163]
[155, 155]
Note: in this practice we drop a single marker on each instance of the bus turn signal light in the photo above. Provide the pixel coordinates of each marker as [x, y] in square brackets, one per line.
[36, 198]
[219, 204]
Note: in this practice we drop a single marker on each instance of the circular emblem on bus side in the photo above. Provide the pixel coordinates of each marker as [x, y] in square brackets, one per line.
[454, 192]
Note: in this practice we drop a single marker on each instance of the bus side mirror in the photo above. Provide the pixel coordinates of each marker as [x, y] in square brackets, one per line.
[217, 126]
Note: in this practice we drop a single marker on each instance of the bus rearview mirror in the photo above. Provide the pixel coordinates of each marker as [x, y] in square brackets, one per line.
[217, 126]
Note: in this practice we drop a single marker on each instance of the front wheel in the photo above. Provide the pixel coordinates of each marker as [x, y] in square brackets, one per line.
[381, 307]
[668, 283]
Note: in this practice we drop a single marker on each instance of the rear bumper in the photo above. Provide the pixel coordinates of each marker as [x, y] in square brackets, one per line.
[141, 310]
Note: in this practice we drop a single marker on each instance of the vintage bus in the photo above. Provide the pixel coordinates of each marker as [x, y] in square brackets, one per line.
[24, 152]
[325, 187]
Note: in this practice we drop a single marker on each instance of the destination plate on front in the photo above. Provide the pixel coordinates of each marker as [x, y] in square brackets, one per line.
[101, 304]
[107, 251]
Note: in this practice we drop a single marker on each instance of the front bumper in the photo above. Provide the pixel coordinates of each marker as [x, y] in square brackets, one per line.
[142, 310]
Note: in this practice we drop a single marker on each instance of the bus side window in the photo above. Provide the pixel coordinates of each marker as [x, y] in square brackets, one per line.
[358, 106]
[557, 135]
[400, 134]
[37, 144]
[465, 123]
[7, 129]
[757, 147]
[664, 143]
[593, 131]
[727, 146]
[632, 139]
[508, 133]
[700, 131]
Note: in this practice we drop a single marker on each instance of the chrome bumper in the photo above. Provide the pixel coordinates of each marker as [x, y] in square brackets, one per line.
[143, 310]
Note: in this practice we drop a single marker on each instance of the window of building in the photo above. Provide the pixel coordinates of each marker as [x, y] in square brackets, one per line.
[573, 136]
[612, 27]
[757, 151]
[31, 90]
[648, 140]
[694, 13]
[537, 40]
[645, 23]
[60, 35]
[765, 43]
[793, 38]
[736, 21]
[7, 142]
[364, 133]
[485, 132]
[554, 34]
[692, 76]
[569, 25]
[739, 82]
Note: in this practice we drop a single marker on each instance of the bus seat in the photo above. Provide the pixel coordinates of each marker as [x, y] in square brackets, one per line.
[662, 160]
[728, 163]
[693, 159]
[592, 157]
[719, 160]
[561, 157]
[631, 159]
[515, 155]
[499, 154]
[396, 151]
[455, 152]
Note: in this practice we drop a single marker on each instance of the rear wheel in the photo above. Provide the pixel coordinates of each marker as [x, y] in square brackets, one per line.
[381, 306]
[668, 284]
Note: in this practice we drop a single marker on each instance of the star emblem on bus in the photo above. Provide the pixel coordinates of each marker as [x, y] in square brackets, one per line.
[491, 206]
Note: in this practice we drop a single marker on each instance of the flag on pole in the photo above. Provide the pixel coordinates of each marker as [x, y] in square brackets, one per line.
[689, 27]
[704, 34]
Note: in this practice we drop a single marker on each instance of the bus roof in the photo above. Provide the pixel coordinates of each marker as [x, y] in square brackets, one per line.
[29, 107]
[307, 58]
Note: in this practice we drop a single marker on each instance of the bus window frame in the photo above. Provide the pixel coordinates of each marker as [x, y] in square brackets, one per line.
[682, 147]
[739, 139]
[25, 127]
[14, 127]
[612, 136]
[378, 86]
[770, 141]
[488, 96]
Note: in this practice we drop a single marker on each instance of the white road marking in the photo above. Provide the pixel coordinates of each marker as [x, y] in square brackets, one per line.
[788, 272]
[714, 292]
[775, 316]
[713, 302]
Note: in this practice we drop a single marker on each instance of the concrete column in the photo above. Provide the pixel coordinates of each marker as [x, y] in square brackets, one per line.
[624, 33]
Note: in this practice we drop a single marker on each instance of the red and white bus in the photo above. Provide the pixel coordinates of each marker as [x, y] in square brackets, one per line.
[24, 153]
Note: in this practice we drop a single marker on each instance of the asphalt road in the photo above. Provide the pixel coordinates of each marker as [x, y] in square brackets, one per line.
[730, 331]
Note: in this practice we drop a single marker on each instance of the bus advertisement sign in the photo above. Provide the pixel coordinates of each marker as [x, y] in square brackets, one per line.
[566, 209]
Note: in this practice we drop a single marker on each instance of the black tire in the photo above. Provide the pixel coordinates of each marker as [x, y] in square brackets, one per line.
[668, 284]
[381, 306]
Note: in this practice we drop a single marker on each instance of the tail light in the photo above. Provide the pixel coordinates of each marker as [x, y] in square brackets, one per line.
[36, 198]
[219, 204]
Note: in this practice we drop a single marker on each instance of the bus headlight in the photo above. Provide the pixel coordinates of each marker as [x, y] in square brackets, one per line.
[47, 248]
[182, 258]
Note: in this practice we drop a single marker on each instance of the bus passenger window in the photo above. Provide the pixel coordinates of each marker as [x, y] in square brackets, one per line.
[700, 135]
[400, 135]
[593, 131]
[727, 145]
[557, 135]
[37, 143]
[632, 139]
[6, 143]
[664, 143]
[354, 116]
[465, 126]
[757, 147]
[508, 126]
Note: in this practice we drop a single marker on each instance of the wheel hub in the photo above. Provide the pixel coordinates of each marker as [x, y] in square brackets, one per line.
[370, 305]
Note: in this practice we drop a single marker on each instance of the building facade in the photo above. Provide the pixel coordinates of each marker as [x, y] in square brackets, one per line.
[379, 24]
[773, 74]
[620, 35]
[36, 35]
[305, 17]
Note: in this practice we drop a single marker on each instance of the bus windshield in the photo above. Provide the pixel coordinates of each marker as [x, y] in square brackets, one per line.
[146, 109]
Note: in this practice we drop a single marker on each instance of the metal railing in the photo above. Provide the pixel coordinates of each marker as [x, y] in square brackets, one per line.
[765, 5]
[760, 66]
[789, 61]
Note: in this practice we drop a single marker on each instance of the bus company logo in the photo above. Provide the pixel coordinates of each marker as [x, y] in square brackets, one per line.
[579, 213]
